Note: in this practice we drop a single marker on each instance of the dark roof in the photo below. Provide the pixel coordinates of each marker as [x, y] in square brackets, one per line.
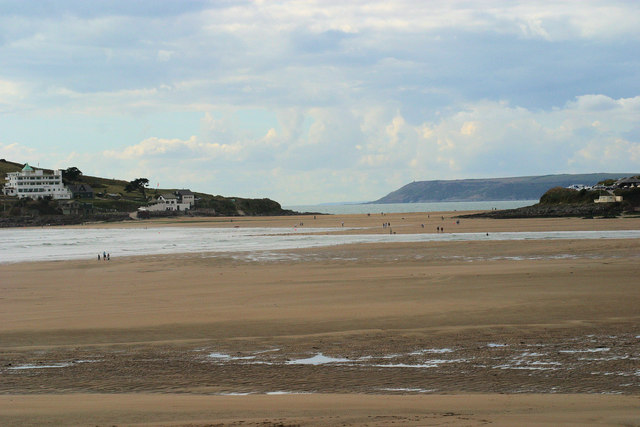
[80, 188]
[184, 192]
[628, 181]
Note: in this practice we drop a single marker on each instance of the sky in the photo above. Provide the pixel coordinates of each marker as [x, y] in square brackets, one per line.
[307, 102]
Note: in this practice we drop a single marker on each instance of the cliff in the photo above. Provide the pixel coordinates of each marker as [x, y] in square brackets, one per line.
[515, 188]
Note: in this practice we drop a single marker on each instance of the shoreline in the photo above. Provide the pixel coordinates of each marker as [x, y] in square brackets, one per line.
[377, 332]
[275, 235]
[372, 221]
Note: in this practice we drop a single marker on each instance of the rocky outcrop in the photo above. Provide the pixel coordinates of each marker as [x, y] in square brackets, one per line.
[50, 220]
[558, 210]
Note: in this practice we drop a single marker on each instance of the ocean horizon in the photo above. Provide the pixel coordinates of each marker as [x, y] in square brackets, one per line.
[364, 207]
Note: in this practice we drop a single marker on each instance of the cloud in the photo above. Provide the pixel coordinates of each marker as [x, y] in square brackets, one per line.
[17, 153]
[332, 154]
[316, 153]
[173, 148]
[265, 96]
[165, 55]
[12, 96]
[291, 54]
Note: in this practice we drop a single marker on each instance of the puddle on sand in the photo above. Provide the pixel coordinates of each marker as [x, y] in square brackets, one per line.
[410, 390]
[431, 350]
[318, 359]
[428, 364]
[588, 350]
[54, 365]
[48, 366]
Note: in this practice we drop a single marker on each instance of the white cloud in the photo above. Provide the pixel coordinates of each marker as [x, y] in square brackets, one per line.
[324, 92]
[17, 153]
[165, 55]
[9, 90]
[311, 156]
[170, 149]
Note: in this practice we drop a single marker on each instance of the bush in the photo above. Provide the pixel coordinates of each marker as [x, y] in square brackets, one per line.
[561, 195]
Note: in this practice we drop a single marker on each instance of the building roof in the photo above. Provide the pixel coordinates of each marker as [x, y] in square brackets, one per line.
[628, 180]
[27, 168]
[168, 196]
[80, 188]
[184, 192]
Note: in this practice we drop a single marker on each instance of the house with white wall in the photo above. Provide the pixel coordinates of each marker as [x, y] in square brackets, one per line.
[168, 202]
[36, 184]
[186, 196]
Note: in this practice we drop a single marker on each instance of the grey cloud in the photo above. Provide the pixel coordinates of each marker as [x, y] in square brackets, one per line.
[308, 42]
[304, 67]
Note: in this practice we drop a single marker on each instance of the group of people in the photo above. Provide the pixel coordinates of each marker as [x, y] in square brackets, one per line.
[105, 256]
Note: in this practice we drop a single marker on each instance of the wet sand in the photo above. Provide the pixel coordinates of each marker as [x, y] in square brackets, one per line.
[371, 334]
[319, 410]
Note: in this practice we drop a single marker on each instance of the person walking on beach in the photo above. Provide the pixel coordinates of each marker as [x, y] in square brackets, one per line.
[98, 257]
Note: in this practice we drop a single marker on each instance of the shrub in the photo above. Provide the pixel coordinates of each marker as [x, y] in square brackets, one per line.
[560, 195]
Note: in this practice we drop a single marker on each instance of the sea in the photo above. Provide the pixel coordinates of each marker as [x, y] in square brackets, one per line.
[254, 244]
[365, 208]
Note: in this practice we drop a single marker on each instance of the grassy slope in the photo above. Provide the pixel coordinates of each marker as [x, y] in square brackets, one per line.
[515, 188]
[129, 202]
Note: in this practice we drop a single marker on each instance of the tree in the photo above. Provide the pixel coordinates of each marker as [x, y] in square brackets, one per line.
[72, 174]
[137, 184]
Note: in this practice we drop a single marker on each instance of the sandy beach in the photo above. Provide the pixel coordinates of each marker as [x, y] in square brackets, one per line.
[536, 332]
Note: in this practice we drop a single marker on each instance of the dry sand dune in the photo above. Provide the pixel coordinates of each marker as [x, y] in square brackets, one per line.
[442, 333]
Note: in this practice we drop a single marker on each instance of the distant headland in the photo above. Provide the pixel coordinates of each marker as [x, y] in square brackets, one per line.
[567, 195]
[493, 189]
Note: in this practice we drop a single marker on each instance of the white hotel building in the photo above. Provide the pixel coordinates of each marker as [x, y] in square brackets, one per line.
[36, 184]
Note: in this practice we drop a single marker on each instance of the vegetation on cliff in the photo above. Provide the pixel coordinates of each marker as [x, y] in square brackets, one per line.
[565, 202]
[515, 188]
[114, 198]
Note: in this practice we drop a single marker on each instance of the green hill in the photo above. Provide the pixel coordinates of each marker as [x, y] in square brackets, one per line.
[490, 189]
[111, 197]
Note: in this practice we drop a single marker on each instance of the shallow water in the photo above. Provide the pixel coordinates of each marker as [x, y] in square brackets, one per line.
[558, 365]
[364, 208]
[49, 244]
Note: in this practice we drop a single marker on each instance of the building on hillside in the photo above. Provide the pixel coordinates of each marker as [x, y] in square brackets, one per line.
[629, 182]
[186, 196]
[74, 207]
[168, 202]
[608, 198]
[81, 191]
[579, 187]
[36, 184]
